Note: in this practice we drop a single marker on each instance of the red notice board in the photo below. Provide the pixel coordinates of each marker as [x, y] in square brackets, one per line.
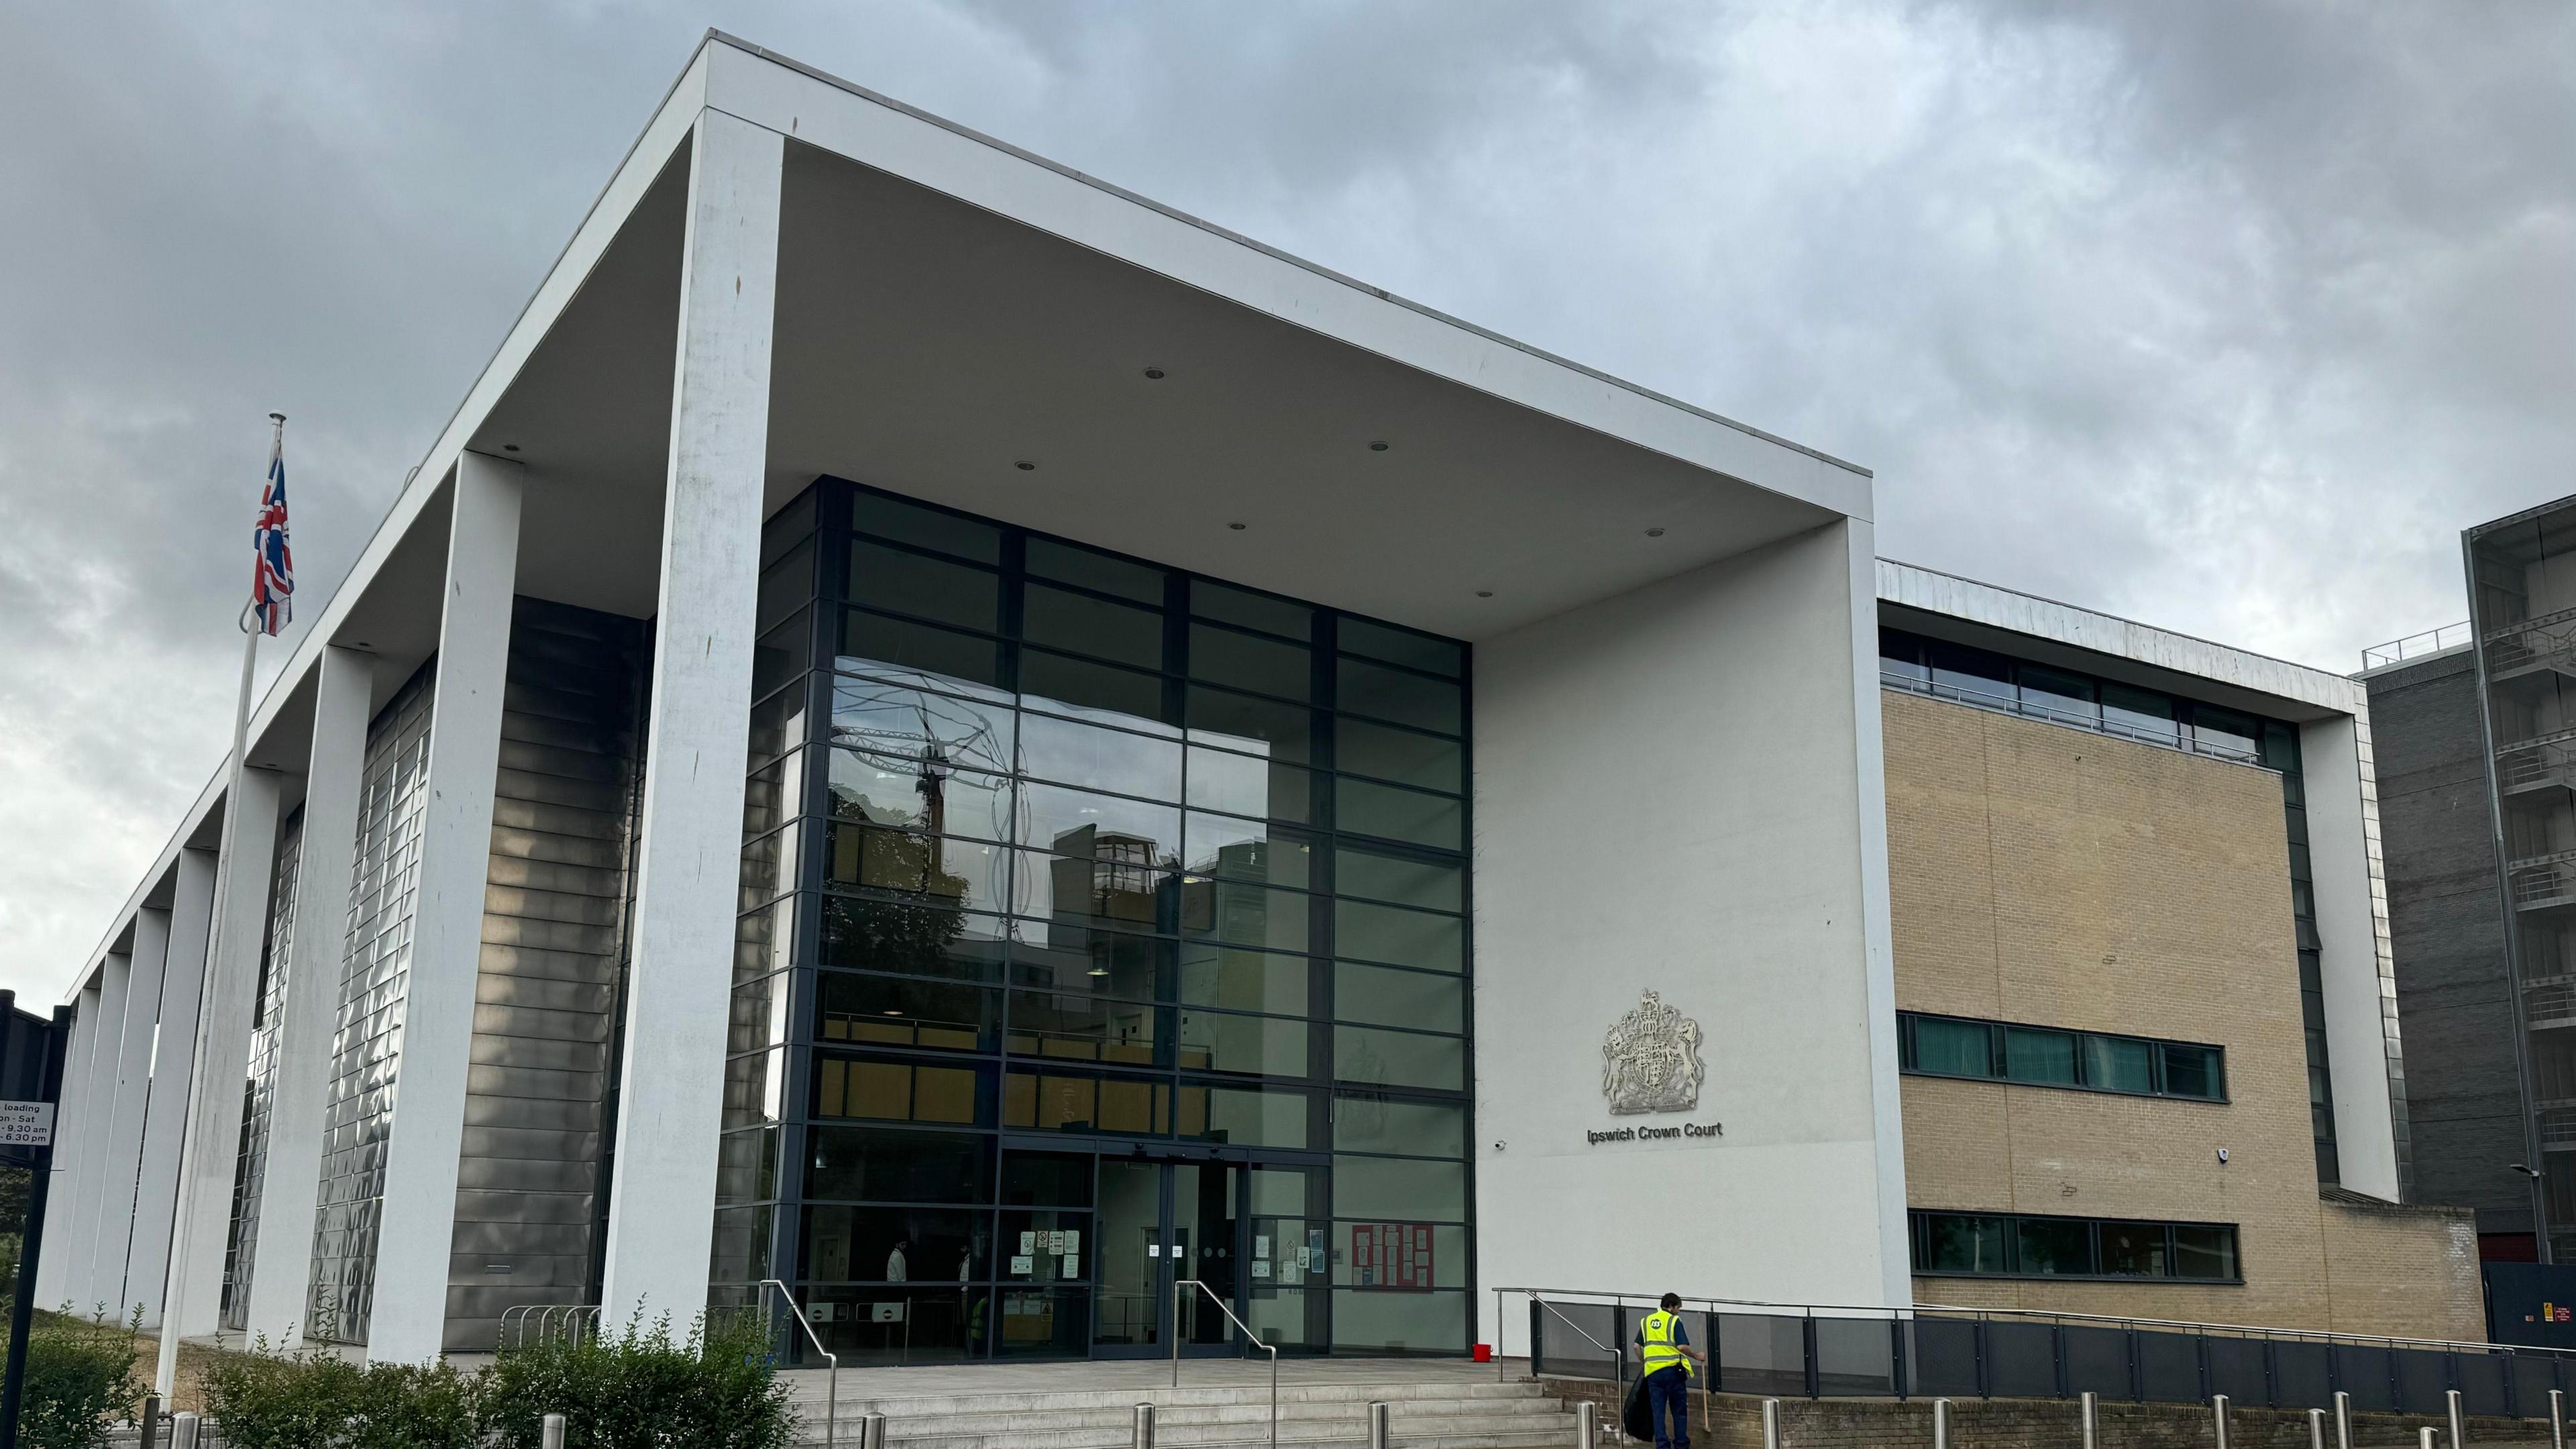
[1391, 1257]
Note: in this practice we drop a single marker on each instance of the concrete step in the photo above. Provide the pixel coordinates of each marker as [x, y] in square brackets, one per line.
[1465, 1433]
[980, 1419]
[894, 1406]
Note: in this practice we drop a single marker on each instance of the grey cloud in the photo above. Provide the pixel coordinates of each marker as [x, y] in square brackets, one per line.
[2226, 316]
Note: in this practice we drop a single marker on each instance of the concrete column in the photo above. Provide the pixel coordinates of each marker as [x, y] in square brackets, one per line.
[662, 1204]
[165, 1115]
[211, 1144]
[64, 1207]
[98, 1096]
[417, 1224]
[290, 1183]
[122, 1143]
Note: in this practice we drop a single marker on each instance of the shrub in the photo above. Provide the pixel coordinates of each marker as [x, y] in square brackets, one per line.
[80, 1379]
[641, 1389]
[267, 1400]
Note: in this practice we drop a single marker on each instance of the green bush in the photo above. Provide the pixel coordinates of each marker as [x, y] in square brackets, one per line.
[316, 1401]
[642, 1389]
[638, 1390]
[80, 1379]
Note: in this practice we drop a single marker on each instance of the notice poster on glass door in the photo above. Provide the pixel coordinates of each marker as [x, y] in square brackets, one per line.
[1391, 1257]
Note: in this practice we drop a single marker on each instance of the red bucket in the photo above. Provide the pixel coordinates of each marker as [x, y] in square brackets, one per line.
[1484, 1353]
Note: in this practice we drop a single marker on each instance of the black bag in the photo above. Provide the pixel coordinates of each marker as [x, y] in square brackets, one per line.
[1638, 1418]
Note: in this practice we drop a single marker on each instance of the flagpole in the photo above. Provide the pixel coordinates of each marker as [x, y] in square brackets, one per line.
[174, 1288]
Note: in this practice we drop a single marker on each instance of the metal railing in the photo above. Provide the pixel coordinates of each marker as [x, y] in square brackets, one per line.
[1934, 1350]
[1618, 1357]
[831, 1361]
[2532, 765]
[1240, 1327]
[530, 1325]
[2415, 646]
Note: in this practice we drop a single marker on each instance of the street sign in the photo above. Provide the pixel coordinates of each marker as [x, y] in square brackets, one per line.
[26, 1124]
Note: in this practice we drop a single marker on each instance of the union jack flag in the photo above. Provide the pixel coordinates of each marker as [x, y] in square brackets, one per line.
[272, 574]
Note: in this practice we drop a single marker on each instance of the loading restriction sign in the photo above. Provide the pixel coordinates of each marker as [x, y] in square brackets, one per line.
[26, 1124]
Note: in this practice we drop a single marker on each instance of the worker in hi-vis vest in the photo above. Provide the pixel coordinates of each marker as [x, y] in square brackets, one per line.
[1664, 1357]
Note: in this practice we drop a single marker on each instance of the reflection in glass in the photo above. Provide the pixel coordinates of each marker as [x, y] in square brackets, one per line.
[1271, 981]
[1220, 1041]
[1063, 1102]
[898, 1091]
[1408, 758]
[2039, 1056]
[919, 940]
[1405, 880]
[1269, 1117]
[893, 1011]
[1400, 646]
[2140, 713]
[1368, 808]
[865, 1164]
[1085, 625]
[1956, 1243]
[872, 643]
[1391, 694]
[1068, 563]
[1087, 690]
[1113, 963]
[2205, 1252]
[1078, 1026]
[1080, 822]
[1423, 1000]
[964, 873]
[1211, 600]
[911, 724]
[2119, 1064]
[905, 582]
[909, 522]
[920, 795]
[2055, 1245]
[2058, 695]
[1119, 886]
[1375, 1123]
[1234, 721]
[1399, 937]
[1095, 758]
[1379, 1058]
[1248, 661]
[1233, 849]
[1242, 914]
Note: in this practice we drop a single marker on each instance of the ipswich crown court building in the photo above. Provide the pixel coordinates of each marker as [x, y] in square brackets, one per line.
[941, 733]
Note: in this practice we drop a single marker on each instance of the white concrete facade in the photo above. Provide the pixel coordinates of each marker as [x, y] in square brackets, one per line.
[1699, 605]
[192, 885]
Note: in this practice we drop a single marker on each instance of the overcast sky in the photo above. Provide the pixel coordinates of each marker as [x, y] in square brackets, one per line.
[2224, 316]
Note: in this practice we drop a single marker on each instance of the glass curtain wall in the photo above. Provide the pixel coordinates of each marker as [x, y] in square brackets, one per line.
[276, 956]
[1061, 866]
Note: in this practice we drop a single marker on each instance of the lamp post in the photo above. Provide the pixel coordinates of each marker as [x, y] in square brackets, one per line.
[2539, 1226]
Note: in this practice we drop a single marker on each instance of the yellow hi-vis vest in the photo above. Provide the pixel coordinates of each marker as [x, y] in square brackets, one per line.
[1656, 1333]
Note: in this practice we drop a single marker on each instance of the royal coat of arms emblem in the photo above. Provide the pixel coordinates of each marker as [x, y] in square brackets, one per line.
[1650, 1060]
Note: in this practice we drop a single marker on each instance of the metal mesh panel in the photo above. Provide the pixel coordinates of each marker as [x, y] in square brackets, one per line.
[1761, 1354]
[2236, 1369]
[1855, 1356]
[2299, 1378]
[2363, 1372]
[2534, 1375]
[1560, 1349]
[2482, 1382]
[2423, 1379]
[2168, 1367]
[1945, 1356]
[2098, 1359]
[2021, 1360]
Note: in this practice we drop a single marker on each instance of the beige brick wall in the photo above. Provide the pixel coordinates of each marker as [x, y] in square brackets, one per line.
[2052, 876]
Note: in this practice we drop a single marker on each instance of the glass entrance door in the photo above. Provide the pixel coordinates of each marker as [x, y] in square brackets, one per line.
[1162, 1224]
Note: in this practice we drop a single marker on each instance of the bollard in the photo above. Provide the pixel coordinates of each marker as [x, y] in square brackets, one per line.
[2557, 1419]
[2316, 1429]
[872, 1433]
[148, 1424]
[1585, 1429]
[2092, 1408]
[2428, 1437]
[551, 1432]
[1142, 1437]
[2218, 1419]
[183, 1431]
[1940, 1424]
[2343, 1420]
[2459, 1421]
[1770, 1424]
[1377, 1424]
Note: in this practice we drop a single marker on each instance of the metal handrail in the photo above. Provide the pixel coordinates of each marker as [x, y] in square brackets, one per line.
[1910, 1310]
[1241, 1327]
[1616, 1357]
[831, 1361]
